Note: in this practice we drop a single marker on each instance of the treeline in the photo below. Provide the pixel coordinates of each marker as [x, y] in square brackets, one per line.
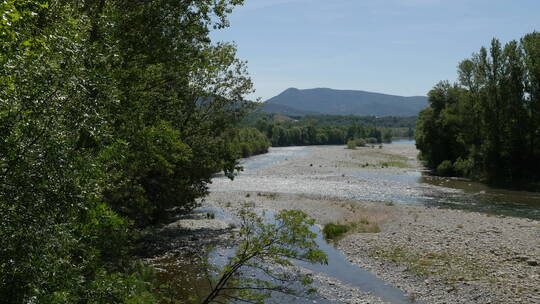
[111, 113]
[487, 126]
[301, 133]
[249, 141]
[346, 120]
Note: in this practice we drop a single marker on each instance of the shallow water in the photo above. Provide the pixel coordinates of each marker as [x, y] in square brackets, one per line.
[458, 194]
[338, 267]
[405, 187]
[410, 187]
[273, 156]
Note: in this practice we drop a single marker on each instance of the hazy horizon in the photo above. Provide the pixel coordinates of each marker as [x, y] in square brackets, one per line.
[395, 47]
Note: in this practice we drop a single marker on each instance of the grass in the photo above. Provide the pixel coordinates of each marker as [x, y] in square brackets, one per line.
[335, 232]
[452, 268]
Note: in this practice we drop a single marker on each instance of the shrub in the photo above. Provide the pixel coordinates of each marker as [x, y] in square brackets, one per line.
[151, 173]
[372, 140]
[463, 167]
[333, 231]
[445, 168]
[360, 142]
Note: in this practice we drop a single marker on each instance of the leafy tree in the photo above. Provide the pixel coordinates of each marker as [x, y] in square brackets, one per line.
[249, 141]
[315, 132]
[266, 249]
[110, 113]
[486, 126]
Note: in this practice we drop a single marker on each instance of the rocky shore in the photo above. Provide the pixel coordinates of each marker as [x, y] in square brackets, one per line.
[434, 255]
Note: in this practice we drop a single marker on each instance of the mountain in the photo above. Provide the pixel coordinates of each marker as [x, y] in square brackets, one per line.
[344, 102]
[285, 110]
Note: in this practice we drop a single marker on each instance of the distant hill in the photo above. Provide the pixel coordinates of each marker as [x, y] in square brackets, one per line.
[285, 110]
[343, 102]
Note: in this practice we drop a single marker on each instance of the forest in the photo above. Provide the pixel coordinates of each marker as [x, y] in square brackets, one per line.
[282, 130]
[487, 125]
[111, 113]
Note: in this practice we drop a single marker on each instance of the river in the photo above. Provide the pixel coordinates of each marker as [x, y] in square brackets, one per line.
[410, 186]
[390, 176]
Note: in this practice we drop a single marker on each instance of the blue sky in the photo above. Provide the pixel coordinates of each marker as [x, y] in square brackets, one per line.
[400, 47]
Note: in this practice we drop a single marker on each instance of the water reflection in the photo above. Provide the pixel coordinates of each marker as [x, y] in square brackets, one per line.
[416, 187]
[479, 197]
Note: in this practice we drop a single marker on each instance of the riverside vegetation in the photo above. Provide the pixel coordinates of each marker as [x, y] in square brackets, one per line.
[112, 115]
[116, 114]
[487, 125]
[284, 131]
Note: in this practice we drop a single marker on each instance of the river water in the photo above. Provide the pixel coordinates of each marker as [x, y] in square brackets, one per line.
[413, 187]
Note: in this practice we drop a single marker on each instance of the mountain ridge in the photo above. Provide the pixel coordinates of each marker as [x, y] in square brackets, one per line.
[345, 102]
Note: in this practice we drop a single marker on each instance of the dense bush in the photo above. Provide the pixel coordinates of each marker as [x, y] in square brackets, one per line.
[445, 168]
[250, 141]
[334, 231]
[110, 113]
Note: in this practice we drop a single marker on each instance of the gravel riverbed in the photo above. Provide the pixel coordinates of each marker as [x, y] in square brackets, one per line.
[432, 254]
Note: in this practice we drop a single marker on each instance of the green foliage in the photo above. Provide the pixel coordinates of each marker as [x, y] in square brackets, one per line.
[291, 133]
[353, 143]
[151, 174]
[111, 112]
[129, 288]
[249, 142]
[265, 248]
[463, 167]
[392, 122]
[487, 126]
[333, 231]
[387, 136]
[388, 122]
[445, 168]
[360, 142]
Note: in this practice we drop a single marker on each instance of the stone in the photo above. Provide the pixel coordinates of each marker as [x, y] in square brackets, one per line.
[532, 263]
[521, 258]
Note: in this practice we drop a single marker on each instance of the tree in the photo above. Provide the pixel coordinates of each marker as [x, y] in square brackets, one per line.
[485, 127]
[110, 113]
[266, 249]
[165, 71]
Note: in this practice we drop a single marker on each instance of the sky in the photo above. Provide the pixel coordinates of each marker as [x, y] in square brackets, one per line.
[400, 47]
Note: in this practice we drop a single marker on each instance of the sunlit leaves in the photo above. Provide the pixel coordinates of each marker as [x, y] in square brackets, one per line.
[263, 261]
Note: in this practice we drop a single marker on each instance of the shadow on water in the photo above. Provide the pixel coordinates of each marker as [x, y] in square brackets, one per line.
[475, 196]
[416, 187]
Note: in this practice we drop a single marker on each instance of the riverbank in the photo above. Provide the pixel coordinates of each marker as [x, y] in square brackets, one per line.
[433, 254]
